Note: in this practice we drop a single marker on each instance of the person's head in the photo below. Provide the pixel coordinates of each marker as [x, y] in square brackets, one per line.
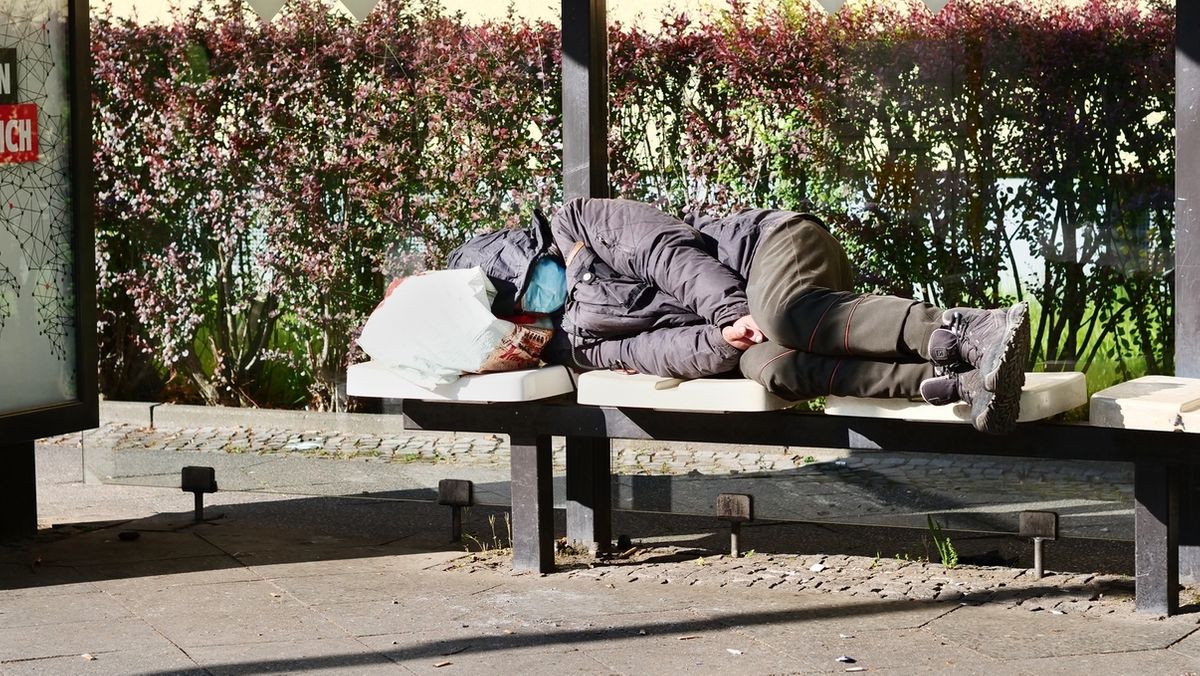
[510, 259]
[546, 289]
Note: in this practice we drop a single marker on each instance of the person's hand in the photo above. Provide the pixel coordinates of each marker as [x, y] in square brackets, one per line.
[743, 334]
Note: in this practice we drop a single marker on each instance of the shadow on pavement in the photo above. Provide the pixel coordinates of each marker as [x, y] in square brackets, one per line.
[296, 530]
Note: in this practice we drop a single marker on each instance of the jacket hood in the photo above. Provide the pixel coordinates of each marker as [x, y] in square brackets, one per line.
[507, 258]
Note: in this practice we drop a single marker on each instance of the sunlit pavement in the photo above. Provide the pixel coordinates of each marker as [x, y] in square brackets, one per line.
[294, 583]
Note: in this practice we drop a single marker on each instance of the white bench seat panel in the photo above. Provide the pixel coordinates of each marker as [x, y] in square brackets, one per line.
[1149, 403]
[370, 379]
[1044, 395]
[609, 388]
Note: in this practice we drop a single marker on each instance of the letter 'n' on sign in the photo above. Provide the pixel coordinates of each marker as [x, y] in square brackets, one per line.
[8, 75]
[18, 121]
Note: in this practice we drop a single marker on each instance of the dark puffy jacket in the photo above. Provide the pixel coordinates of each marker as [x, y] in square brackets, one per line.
[507, 258]
[646, 291]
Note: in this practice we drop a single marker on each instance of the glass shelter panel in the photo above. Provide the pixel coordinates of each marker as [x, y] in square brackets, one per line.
[37, 292]
[976, 153]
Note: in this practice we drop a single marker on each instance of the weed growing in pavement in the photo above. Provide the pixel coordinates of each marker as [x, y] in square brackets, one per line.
[808, 460]
[508, 525]
[497, 544]
[483, 546]
[946, 551]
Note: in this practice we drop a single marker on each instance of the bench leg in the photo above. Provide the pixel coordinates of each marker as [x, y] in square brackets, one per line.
[1189, 525]
[18, 491]
[1156, 537]
[532, 503]
[589, 493]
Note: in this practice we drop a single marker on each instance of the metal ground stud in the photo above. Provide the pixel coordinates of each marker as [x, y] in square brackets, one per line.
[198, 481]
[1039, 526]
[457, 493]
[736, 509]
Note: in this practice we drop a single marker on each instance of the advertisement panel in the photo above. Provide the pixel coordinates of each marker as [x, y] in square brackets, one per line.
[47, 362]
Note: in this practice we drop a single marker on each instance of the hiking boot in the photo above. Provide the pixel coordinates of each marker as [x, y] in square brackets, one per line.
[991, 412]
[951, 388]
[941, 390]
[996, 342]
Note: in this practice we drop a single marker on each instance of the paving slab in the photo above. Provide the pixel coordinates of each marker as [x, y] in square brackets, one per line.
[1189, 646]
[230, 612]
[828, 614]
[1143, 663]
[261, 549]
[165, 574]
[551, 602]
[567, 662]
[896, 649]
[44, 609]
[104, 546]
[54, 639]
[634, 631]
[717, 652]
[314, 656]
[166, 660]
[471, 653]
[1008, 633]
[986, 669]
[402, 614]
[396, 558]
[326, 523]
[35, 578]
[378, 585]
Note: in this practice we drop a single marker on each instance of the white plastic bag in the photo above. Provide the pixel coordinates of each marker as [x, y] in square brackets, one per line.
[435, 326]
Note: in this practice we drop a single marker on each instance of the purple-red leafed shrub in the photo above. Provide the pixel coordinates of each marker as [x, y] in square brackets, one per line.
[180, 153]
[258, 182]
[985, 152]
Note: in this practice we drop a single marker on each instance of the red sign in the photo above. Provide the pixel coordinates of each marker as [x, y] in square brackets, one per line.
[18, 133]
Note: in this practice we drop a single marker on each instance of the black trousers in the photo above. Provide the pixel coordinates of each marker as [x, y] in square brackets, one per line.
[824, 338]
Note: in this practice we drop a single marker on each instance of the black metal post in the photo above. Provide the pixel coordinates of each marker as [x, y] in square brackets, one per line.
[585, 98]
[1156, 537]
[1187, 248]
[18, 491]
[456, 523]
[532, 503]
[589, 493]
[1189, 525]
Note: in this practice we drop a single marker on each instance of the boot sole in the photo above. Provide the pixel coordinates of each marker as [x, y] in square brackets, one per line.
[998, 413]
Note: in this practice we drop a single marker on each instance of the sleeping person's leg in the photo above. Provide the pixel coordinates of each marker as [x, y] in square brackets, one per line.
[799, 294]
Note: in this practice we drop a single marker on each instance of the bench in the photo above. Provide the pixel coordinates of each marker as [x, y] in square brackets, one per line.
[610, 406]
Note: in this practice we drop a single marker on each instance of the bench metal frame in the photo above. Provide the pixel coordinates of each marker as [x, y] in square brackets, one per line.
[1159, 460]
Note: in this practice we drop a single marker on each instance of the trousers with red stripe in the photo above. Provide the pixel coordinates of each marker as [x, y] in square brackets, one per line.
[824, 338]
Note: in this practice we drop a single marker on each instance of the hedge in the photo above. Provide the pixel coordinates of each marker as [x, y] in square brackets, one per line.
[258, 182]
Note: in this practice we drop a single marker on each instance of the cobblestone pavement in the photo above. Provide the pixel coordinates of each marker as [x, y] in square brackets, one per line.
[965, 492]
[1107, 481]
[878, 578]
